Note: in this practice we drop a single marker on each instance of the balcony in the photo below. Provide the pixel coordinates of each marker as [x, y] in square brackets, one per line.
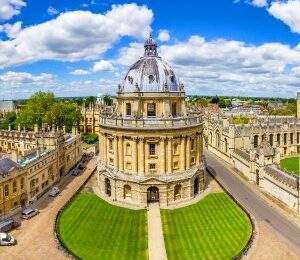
[157, 123]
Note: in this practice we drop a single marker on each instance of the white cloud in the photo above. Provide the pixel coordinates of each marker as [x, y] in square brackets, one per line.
[288, 12]
[11, 30]
[10, 8]
[102, 65]
[80, 72]
[17, 78]
[259, 3]
[76, 35]
[164, 35]
[228, 67]
[52, 11]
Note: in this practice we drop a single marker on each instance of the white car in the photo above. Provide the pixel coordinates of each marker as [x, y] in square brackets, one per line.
[54, 191]
[7, 240]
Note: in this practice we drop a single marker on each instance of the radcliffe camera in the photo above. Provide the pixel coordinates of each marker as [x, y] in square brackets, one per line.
[150, 130]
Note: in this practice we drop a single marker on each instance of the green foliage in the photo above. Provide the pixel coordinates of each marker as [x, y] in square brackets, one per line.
[107, 100]
[43, 108]
[8, 119]
[90, 138]
[91, 100]
[240, 120]
[223, 102]
[289, 110]
[213, 228]
[94, 229]
[203, 102]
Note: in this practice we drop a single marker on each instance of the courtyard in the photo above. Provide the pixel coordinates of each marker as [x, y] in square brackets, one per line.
[213, 228]
[93, 229]
[291, 165]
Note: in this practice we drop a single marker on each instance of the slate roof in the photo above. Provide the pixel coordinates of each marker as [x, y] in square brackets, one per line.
[7, 165]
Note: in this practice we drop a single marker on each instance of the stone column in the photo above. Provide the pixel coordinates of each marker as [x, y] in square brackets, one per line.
[162, 155]
[105, 148]
[141, 162]
[183, 153]
[135, 155]
[116, 159]
[198, 149]
[121, 153]
[188, 152]
[170, 155]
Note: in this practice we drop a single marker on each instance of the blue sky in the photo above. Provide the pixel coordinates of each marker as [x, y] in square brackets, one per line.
[84, 47]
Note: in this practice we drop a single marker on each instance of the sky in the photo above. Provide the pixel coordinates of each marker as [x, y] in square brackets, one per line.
[85, 47]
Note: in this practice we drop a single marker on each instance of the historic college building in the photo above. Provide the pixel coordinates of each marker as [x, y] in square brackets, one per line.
[150, 147]
[255, 150]
[31, 162]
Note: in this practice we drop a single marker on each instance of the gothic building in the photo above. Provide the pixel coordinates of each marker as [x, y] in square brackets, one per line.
[150, 147]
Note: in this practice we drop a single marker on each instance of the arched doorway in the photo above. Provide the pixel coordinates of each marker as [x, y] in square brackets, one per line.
[177, 191]
[107, 187]
[152, 194]
[127, 191]
[196, 186]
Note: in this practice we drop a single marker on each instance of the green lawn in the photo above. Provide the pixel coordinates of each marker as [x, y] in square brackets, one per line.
[291, 165]
[93, 229]
[213, 228]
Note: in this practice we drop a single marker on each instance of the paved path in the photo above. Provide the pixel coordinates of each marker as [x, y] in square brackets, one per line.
[258, 207]
[36, 239]
[156, 243]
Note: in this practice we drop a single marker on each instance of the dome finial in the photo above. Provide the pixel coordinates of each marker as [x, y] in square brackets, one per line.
[150, 47]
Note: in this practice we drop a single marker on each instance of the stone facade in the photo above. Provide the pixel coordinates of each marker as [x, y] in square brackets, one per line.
[150, 147]
[255, 150]
[31, 162]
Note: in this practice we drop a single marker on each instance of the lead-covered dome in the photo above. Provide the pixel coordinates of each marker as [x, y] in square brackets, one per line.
[150, 73]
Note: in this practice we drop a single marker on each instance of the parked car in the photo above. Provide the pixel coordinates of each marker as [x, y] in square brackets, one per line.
[7, 240]
[54, 191]
[75, 172]
[28, 213]
[8, 224]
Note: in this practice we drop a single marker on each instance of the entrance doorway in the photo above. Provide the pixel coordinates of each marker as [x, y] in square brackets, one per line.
[196, 186]
[152, 194]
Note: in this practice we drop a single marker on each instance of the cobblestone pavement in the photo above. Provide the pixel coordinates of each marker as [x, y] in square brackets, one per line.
[278, 236]
[36, 239]
[156, 243]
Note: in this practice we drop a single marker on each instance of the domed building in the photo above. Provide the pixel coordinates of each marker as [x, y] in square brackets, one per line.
[150, 147]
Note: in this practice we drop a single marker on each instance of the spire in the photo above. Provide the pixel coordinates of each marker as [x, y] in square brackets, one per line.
[150, 47]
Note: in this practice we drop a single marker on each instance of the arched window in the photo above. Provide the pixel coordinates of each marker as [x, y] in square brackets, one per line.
[210, 137]
[255, 141]
[14, 186]
[218, 143]
[151, 79]
[226, 145]
[263, 137]
[177, 191]
[271, 139]
[107, 187]
[127, 191]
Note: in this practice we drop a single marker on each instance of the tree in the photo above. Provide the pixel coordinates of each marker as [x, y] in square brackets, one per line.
[9, 119]
[91, 100]
[107, 100]
[215, 100]
[35, 109]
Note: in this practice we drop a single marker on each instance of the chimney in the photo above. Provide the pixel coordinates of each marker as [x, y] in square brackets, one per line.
[36, 128]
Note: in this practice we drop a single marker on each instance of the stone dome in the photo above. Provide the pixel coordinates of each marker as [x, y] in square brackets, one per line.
[150, 73]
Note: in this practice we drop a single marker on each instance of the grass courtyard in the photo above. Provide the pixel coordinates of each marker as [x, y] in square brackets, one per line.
[213, 228]
[291, 165]
[93, 229]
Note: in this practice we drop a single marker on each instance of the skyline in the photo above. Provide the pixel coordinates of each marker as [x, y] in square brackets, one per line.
[246, 48]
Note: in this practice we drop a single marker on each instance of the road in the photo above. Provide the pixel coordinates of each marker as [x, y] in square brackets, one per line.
[36, 239]
[257, 206]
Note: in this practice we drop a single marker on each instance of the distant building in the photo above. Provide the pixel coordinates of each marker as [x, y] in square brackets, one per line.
[7, 106]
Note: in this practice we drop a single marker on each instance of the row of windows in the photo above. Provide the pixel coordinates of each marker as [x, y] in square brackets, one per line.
[14, 187]
[152, 147]
[151, 109]
[278, 139]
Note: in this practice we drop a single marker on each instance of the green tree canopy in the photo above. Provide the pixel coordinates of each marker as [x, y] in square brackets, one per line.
[8, 119]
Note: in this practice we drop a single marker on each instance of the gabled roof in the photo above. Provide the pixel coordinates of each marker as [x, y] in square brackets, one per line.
[7, 165]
